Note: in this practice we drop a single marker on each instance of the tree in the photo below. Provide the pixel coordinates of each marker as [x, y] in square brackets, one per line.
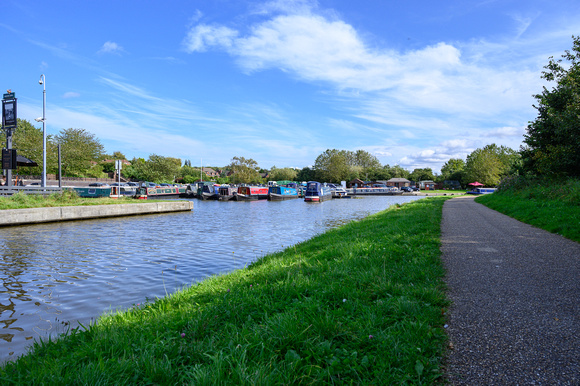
[425, 174]
[79, 151]
[553, 138]
[244, 170]
[490, 164]
[283, 174]
[453, 170]
[306, 174]
[332, 166]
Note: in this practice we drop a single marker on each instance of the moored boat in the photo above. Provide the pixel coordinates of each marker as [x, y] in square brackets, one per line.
[317, 192]
[376, 191]
[226, 193]
[93, 191]
[339, 192]
[251, 193]
[210, 192]
[280, 193]
[481, 191]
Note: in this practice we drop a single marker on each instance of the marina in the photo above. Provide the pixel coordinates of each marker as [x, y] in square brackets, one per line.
[56, 275]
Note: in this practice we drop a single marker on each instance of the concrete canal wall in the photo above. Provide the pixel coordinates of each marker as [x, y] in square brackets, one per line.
[67, 213]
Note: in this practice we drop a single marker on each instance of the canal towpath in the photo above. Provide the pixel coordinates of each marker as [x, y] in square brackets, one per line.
[515, 292]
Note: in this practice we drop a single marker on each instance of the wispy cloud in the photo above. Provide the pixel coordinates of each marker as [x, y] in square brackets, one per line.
[71, 94]
[111, 48]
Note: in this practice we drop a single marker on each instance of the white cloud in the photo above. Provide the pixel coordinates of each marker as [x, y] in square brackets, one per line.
[71, 94]
[203, 36]
[111, 48]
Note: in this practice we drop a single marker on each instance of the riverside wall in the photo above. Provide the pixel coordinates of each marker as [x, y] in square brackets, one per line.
[10, 217]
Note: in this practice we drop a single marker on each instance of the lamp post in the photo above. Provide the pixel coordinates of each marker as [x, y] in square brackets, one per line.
[42, 81]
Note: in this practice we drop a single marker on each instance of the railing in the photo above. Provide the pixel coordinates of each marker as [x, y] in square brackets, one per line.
[10, 190]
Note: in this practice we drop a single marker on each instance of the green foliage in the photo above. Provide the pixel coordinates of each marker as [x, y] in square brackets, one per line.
[425, 174]
[306, 174]
[155, 169]
[490, 164]
[361, 304]
[244, 170]
[79, 149]
[280, 174]
[553, 139]
[453, 170]
[545, 203]
[342, 165]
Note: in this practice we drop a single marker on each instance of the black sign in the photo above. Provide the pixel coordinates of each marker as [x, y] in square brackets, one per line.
[9, 159]
[9, 113]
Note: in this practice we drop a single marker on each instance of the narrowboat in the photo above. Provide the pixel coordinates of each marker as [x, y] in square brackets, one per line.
[226, 193]
[317, 192]
[376, 191]
[280, 193]
[210, 192]
[481, 191]
[251, 193]
[93, 191]
[157, 193]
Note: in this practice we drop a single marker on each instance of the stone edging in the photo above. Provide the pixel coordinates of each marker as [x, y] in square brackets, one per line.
[67, 213]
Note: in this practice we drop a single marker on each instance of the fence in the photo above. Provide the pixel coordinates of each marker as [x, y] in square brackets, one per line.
[10, 190]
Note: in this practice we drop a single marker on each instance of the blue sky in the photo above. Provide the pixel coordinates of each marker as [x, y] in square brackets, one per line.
[412, 82]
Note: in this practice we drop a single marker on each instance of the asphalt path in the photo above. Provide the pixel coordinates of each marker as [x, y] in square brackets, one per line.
[515, 316]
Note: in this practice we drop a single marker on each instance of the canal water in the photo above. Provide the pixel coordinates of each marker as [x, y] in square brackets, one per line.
[55, 275]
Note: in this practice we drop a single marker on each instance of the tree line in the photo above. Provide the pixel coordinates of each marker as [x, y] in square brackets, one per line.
[550, 150]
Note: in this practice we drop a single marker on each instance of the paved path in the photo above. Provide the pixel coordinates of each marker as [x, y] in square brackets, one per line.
[515, 318]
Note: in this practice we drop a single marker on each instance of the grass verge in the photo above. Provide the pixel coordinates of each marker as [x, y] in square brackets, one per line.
[64, 198]
[554, 207]
[361, 304]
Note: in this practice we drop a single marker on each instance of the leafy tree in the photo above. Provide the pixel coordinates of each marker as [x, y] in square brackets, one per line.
[118, 155]
[306, 174]
[399, 172]
[453, 170]
[425, 174]
[244, 170]
[155, 169]
[79, 149]
[552, 141]
[188, 173]
[490, 164]
[283, 174]
[365, 160]
[332, 166]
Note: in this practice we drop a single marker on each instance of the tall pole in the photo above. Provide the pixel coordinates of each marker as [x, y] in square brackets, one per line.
[42, 81]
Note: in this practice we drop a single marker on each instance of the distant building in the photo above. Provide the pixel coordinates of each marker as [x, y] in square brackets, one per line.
[210, 172]
[427, 185]
[398, 182]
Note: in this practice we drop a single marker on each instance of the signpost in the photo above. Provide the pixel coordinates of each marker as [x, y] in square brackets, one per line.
[9, 122]
[118, 164]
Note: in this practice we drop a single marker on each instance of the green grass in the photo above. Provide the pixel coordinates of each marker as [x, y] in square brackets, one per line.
[361, 304]
[64, 198]
[554, 207]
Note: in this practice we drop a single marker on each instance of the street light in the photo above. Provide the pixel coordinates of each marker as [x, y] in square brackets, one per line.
[42, 81]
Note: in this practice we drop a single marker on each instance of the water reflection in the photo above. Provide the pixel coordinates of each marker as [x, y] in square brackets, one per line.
[54, 274]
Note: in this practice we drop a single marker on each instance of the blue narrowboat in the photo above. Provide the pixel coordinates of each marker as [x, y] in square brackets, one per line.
[481, 191]
[317, 192]
[280, 193]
